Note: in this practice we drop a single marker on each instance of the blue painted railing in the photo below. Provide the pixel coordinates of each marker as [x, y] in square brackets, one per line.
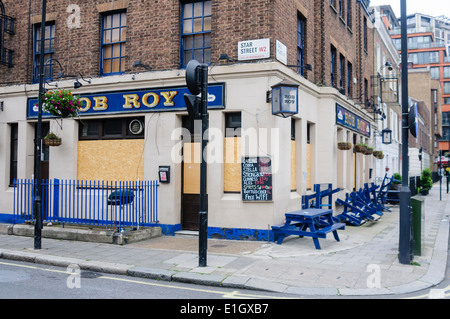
[115, 204]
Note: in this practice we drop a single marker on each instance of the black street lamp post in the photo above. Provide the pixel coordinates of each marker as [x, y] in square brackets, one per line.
[405, 247]
[197, 83]
[37, 207]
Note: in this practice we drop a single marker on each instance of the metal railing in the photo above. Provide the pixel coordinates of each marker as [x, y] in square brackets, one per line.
[99, 203]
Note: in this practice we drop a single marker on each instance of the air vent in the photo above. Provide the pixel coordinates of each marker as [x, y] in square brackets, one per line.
[136, 127]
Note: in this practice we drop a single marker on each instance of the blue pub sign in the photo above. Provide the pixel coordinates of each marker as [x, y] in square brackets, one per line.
[144, 100]
[352, 121]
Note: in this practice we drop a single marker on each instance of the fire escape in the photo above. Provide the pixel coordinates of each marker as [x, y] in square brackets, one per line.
[6, 27]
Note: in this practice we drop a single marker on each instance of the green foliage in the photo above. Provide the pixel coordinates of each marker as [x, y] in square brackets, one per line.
[425, 180]
[51, 135]
[397, 177]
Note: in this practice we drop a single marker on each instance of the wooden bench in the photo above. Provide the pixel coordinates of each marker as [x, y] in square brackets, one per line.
[315, 200]
[318, 221]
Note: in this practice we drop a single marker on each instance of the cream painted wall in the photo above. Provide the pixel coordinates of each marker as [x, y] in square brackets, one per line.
[246, 86]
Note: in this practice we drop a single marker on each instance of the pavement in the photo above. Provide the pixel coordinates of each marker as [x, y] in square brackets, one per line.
[364, 262]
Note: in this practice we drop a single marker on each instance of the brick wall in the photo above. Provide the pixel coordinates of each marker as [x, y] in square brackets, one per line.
[153, 34]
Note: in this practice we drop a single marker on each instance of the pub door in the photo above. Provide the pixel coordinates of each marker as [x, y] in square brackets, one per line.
[190, 193]
[45, 163]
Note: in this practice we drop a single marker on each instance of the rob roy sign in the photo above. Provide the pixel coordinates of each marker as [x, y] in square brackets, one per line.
[352, 121]
[146, 100]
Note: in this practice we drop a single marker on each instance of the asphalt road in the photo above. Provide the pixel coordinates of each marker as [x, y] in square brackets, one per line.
[20, 280]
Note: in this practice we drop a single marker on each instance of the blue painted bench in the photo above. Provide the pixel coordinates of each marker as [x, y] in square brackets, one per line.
[316, 200]
[366, 204]
[319, 221]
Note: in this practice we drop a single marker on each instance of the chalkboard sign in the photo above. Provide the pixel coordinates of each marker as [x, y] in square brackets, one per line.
[256, 179]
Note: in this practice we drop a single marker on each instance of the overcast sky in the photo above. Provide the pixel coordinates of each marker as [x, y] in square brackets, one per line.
[430, 7]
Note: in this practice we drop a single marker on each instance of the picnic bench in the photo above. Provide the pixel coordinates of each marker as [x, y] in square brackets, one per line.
[321, 191]
[366, 204]
[319, 222]
[356, 210]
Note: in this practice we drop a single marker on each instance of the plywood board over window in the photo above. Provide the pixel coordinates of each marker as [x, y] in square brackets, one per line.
[232, 165]
[111, 160]
[232, 152]
[191, 171]
[293, 166]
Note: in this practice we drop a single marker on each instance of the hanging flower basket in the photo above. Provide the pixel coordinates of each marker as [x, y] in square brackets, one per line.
[60, 103]
[378, 154]
[345, 145]
[52, 139]
[360, 148]
[369, 150]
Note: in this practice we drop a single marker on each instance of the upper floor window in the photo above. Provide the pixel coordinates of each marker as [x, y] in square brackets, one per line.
[349, 78]
[349, 13]
[365, 33]
[366, 90]
[424, 57]
[333, 66]
[300, 41]
[114, 35]
[196, 32]
[446, 72]
[446, 87]
[341, 71]
[49, 50]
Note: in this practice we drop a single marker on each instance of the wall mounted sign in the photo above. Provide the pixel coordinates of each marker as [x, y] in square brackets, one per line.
[352, 121]
[254, 49]
[256, 178]
[145, 100]
[164, 174]
[281, 52]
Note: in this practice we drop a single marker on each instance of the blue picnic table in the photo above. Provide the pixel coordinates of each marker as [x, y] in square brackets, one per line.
[318, 221]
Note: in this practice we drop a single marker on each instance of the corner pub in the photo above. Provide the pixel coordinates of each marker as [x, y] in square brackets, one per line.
[261, 164]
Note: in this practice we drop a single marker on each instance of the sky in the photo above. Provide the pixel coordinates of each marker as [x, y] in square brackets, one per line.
[430, 7]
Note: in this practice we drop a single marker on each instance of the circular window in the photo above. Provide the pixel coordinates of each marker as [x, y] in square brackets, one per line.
[136, 127]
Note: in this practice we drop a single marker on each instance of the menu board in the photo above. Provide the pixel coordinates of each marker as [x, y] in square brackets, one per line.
[256, 180]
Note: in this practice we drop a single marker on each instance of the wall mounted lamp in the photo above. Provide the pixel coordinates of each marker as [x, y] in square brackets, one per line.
[386, 136]
[77, 84]
[306, 66]
[225, 56]
[139, 64]
[284, 97]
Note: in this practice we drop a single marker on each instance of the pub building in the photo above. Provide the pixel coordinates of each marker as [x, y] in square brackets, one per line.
[273, 127]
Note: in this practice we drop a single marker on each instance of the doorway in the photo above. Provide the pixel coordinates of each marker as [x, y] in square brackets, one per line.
[190, 192]
[45, 150]
[44, 167]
